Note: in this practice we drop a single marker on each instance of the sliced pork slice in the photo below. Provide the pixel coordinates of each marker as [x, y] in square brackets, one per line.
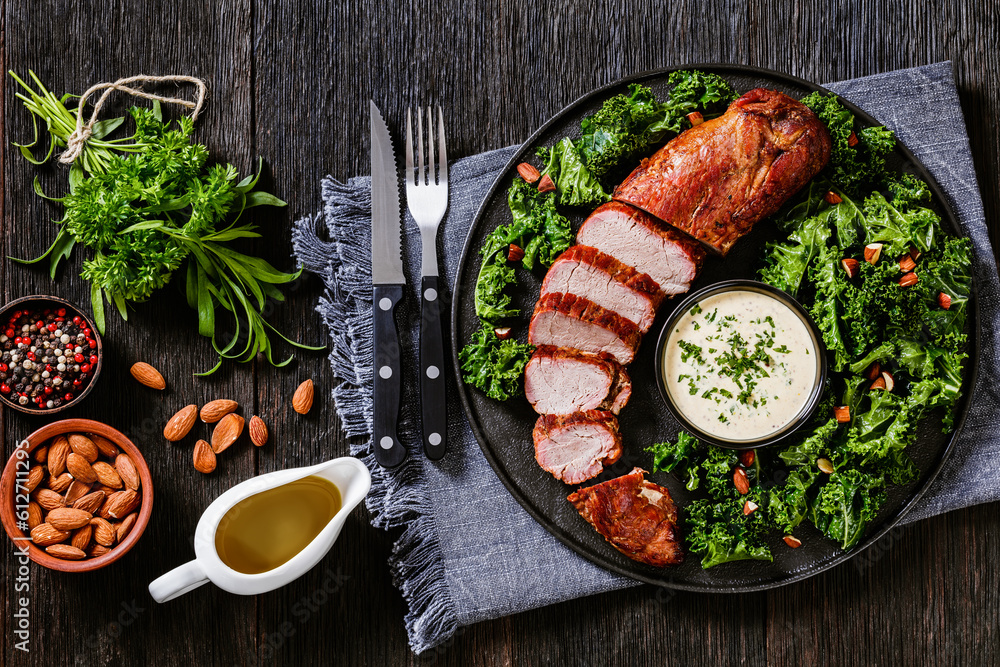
[717, 179]
[567, 320]
[636, 516]
[637, 239]
[598, 277]
[558, 381]
[575, 447]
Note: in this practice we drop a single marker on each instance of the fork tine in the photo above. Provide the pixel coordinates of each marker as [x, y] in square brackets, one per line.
[442, 151]
[420, 148]
[431, 173]
[409, 150]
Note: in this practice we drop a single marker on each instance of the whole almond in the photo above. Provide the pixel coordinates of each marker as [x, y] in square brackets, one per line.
[34, 514]
[57, 455]
[258, 431]
[107, 448]
[66, 552]
[83, 446]
[226, 432]
[48, 499]
[42, 453]
[90, 502]
[67, 518]
[126, 525]
[120, 504]
[528, 172]
[740, 481]
[45, 534]
[61, 483]
[215, 410]
[180, 424]
[148, 375]
[96, 550]
[35, 477]
[302, 400]
[107, 475]
[126, 470]
[204, 457]
[104, 533]
[78, 466]
[81, 537]
[76, 491]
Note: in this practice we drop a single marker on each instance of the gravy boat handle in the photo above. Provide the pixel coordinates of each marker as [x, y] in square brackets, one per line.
[178, 581]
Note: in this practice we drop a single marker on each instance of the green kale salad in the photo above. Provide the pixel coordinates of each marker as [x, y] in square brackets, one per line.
[889, 286]
[582, 171]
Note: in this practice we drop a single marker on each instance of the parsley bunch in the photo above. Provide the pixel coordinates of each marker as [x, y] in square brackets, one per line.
[149, 205]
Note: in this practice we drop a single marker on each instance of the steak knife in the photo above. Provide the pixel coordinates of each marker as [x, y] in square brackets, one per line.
[388, 283]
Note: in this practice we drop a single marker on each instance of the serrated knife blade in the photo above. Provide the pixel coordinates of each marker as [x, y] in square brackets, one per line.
[388, 283]
[387, 225]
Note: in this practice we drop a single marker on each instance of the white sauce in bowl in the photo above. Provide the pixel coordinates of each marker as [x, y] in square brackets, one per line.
[740, 365]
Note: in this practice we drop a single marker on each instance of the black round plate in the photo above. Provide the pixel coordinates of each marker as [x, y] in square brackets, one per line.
[503, 429]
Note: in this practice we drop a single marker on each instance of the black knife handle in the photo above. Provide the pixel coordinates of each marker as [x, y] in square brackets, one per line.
[433, 403]
[389, 452]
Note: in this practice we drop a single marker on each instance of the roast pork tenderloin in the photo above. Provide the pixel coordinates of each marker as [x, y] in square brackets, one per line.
[602, 279]
[576, 447]
[637, 239]
[559, 380]
[717, 179]
[567, 320]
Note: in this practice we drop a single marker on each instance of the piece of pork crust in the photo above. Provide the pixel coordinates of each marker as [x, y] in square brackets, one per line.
[636, 516]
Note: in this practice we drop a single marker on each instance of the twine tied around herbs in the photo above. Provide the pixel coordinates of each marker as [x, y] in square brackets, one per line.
[78, 139]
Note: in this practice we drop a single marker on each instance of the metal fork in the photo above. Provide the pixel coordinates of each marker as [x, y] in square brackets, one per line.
[427, 199]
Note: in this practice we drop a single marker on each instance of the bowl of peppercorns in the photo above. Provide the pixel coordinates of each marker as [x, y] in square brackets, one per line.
[50, 354]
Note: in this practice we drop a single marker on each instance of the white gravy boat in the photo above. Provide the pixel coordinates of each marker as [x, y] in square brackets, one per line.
[348, 474]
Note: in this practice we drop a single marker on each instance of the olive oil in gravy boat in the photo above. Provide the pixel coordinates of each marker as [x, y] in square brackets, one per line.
[348, 474]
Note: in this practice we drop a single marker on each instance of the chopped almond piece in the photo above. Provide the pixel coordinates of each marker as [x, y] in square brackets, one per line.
[850, 266]
[908, 280]
[944, 300]
[906, 264]
[874, 371]
[792, 541]
[832, 197]
[890, 382]
[546, 184]
[515, 253]
[852, 140]
[872, 252]
[843, 414]
[696, 118]
[879, 383]
[749, 507]
[740, 481]
[503, 333]
[747, 457]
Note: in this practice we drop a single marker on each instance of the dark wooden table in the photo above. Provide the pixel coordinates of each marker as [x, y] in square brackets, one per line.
[289, 81]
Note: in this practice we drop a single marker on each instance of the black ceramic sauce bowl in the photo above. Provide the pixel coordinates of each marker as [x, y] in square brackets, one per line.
[812, 402]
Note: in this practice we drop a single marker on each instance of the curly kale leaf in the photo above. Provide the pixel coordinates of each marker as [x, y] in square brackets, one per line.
[721, 532]
[537, 227]
[852, 166]
[789, 503]
[492, 365]
[575, 183]
[627, 125]
[847, 504]
[680, 456]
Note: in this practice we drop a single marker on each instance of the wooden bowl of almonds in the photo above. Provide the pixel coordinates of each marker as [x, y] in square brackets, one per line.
[75, 496]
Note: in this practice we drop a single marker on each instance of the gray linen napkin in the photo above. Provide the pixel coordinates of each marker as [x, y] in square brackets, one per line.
[469, 552]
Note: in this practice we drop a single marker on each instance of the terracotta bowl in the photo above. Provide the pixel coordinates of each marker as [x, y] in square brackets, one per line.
[8, 492]
[45, 301]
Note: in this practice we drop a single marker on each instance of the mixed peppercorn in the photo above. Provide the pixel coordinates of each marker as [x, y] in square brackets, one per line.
[49, 357]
